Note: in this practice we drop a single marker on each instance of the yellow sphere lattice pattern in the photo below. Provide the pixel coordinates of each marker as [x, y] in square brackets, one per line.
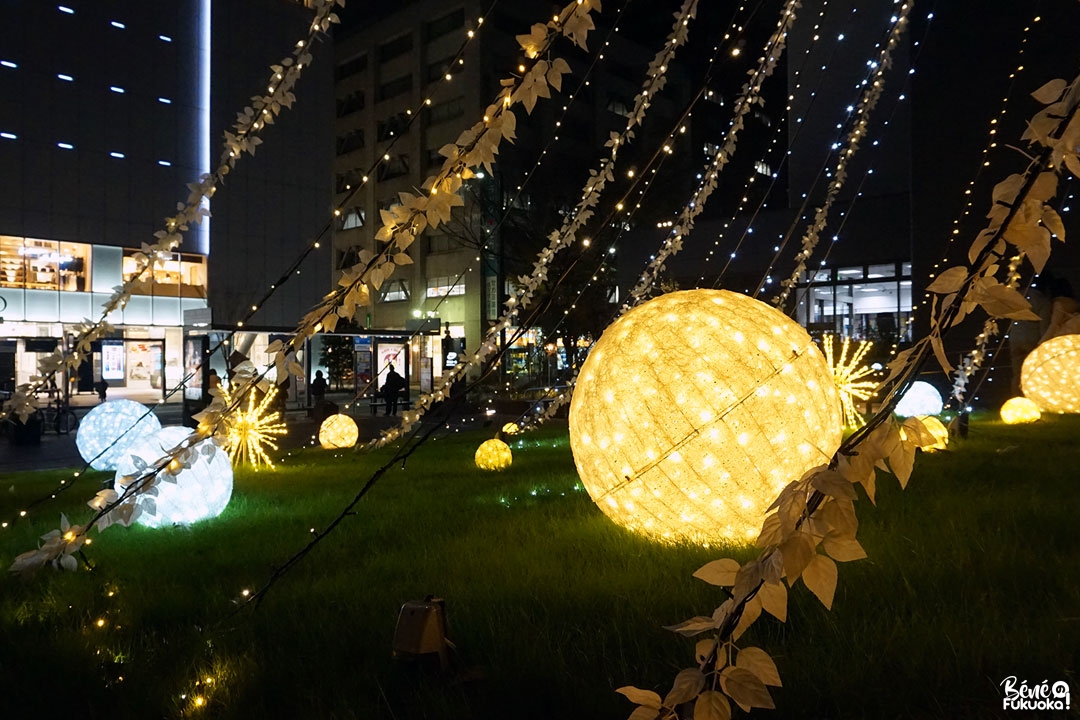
[493, 454]
[338, 431]
[1050, 375]
[695, 409]
[1019, 410]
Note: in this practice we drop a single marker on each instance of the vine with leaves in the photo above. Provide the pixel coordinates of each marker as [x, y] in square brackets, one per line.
[812, 524]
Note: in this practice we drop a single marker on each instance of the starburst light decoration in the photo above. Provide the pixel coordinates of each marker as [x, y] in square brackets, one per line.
[695, 409]
[493, 454]
[849, 377]
[250, 431]
[1050, 375]
[1019, 410]
[338, 431]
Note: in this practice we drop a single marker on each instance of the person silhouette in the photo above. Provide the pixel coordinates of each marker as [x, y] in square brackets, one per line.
[391, 389]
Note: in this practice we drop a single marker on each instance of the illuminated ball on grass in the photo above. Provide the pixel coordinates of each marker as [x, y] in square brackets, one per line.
[493, 454]
[200, 492]
[693, 412]
[1050, 375]
[1019, 410]
[110, 428]
[511, 428]
[921, 398]
[338, 431]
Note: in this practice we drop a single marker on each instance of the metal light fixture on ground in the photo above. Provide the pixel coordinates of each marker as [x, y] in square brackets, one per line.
[110, 428]
[338, 431]
[921, 398]
[1050, 375]
[199, 492]
[1019, 410]
[693, 412]
[493, 454]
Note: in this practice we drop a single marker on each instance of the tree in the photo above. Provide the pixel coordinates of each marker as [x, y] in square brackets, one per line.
[337, 357]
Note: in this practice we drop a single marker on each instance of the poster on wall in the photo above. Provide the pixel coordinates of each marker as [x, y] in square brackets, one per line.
[427, 379]
[391, 354]
[112, 360]
[197, 377]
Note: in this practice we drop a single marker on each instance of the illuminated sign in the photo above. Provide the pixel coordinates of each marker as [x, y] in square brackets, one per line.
[112, 360]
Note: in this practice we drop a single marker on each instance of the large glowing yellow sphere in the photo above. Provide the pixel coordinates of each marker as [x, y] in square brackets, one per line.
[493, 454]
[695, 409]
[1019, 410]
[1050, 375]
[338, 431]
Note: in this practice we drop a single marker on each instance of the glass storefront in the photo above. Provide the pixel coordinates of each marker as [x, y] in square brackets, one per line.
[32, 264]
[869, 302]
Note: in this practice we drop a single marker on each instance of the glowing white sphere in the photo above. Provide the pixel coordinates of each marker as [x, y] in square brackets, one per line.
[921, 398]
[1019, 410]
[110, 428]
[150, 449]
[201, 491]
[693, 412]
[493, 454]
[338, 431]
[1050, 375]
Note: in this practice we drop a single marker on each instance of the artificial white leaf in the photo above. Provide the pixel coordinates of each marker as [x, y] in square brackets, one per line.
[758, 662]
[640, 697]
[688, 683]
[774, 600]
[712, 705]
[745, 688]
[718, 572]
[948, 281]
[820, 576]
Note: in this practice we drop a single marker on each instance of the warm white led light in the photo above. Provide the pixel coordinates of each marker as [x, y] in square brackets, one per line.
[695, 409]
[338, 431]
[1050, 375]
[493, 454]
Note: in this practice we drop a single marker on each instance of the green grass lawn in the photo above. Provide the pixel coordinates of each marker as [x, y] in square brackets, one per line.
[973, 575]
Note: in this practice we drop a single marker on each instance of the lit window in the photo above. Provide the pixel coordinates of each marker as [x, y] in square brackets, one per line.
[65, 9]
[8, 136]
[117, 155]
[444, 285]
[66, 78]
[395, 291]
[65, 146]
[116, 89]
[762, 168]
[165, 101]
[164, 163]
[8, 64]
[118, 25]
[164, 38]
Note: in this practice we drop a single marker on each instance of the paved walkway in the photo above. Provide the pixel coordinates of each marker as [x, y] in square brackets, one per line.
[59, 451]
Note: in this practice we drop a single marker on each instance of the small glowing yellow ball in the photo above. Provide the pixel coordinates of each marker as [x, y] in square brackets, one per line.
[338, 431]
[938, 430]
[1050, 375]
[493, 454]
[695, 409]
[1019, 410]
[510, 428]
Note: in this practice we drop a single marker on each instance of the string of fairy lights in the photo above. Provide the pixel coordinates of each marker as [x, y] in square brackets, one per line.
[559, 239]
[233, 150]
[492, 232]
